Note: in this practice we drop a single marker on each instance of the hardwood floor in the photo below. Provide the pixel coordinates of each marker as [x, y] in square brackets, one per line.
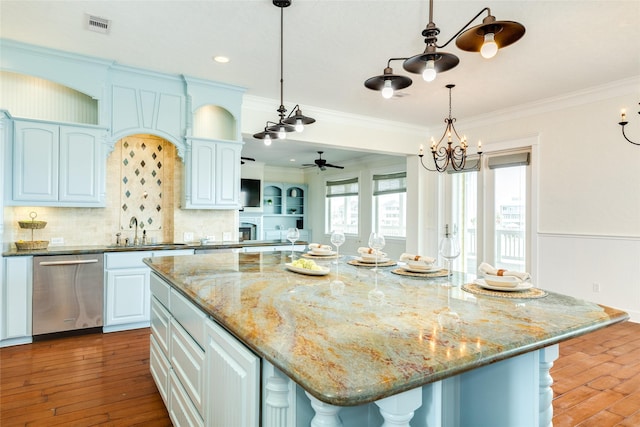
[104, 379]
[97, 379]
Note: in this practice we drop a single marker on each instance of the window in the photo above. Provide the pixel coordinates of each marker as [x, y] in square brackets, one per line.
[342, 207]
[390, 204]
[492, 207]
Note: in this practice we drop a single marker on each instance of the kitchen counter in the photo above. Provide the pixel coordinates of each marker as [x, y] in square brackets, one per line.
[92, 249]
[345, 348]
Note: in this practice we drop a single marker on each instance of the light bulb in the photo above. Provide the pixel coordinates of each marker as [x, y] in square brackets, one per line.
[489, 48]
[282, 134]
[387, 90]
[299, 125]
[267, 140]
[429, 73]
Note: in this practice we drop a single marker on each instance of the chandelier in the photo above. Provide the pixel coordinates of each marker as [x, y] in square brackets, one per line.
[447, 155]
[485, 38]
[295, 121]
[623, 122]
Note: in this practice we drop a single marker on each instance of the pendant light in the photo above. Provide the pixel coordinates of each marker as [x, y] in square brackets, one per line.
[296, 120]
[485, 38]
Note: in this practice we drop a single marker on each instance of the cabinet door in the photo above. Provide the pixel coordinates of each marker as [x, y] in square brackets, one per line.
[128, 296]
[35, 162]
[80, 165]
[233, 381]
[228, 174]
[15, 299]
[203, 162]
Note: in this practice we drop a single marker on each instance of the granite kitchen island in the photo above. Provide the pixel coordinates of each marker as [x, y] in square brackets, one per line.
[321, 352]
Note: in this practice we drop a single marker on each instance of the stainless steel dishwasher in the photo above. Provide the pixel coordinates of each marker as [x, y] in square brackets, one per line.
[67, 292]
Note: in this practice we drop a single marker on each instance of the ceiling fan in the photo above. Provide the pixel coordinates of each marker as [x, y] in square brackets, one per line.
[322, 163]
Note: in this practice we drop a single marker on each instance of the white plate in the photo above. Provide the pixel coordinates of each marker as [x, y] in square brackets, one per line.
[321, 272]
[432, 269]
[323, 253]
[522, 286]
[371, 260]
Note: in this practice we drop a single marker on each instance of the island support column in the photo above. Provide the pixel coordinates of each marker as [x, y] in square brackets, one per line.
[398, 410]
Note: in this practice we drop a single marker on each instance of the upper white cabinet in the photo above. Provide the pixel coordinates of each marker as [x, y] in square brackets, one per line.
[57, 165]
[212, 172]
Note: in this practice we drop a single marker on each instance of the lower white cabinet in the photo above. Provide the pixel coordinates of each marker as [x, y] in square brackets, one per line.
[204, 374]
[127, 294]
[127, 288]
[233, 380]
[15, 301]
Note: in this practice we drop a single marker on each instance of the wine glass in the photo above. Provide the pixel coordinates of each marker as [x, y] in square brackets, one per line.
[449, 249]
[337, 238]
[376, 242]
[293, 234]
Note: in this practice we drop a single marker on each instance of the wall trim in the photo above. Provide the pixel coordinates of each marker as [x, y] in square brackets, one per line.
[589, 236]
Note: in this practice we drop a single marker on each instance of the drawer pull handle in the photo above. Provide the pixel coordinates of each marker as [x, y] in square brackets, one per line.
[72, 262]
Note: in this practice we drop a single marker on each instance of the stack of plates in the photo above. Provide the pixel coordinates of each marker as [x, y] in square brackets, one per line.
[368, 259]
[503, 283]
[321, 252]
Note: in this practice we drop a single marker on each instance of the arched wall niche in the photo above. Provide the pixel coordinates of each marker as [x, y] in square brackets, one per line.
[214, 122]
[54, 101]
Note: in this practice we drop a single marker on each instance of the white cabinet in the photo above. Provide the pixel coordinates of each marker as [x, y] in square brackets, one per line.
[233, 380]
[15, 301]
[57, 165]
[127, 296]
[212, 175]
[208, 376]
[127, 288]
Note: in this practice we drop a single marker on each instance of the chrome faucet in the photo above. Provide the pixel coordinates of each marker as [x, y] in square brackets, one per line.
[134, 221]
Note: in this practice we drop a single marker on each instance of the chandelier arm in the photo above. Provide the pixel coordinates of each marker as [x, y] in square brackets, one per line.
[625, 135]
[425, 166]
[394, 59]
[486, 9]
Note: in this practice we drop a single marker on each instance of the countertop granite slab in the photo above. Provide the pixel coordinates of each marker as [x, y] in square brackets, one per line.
[92, 249]
[347, 348]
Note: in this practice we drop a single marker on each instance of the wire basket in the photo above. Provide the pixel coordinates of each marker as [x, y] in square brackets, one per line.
[32, 225]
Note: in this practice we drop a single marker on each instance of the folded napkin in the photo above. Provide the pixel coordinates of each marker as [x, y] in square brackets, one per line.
[485, 269]
[316, 246]
[368, 251]
[417, 258]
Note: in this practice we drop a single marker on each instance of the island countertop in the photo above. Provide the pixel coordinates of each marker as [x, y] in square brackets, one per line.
[347, 349]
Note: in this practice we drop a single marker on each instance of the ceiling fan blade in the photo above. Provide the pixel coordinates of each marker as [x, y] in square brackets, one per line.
[309, 164]
[329, 165]
[248, 158]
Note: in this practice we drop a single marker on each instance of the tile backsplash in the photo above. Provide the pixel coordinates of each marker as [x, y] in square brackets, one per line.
[144, 179]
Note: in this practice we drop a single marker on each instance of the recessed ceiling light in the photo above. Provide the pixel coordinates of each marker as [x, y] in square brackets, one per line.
[221, 59]
[292, 160]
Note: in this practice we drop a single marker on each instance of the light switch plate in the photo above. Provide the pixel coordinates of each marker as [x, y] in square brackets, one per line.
[226, 236]
[57, 241]
[188, 236]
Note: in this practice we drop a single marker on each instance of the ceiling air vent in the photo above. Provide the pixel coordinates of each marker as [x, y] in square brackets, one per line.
[97, 24]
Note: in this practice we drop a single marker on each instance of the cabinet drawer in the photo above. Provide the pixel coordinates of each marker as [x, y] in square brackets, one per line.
[160, 321]
[160, 289]
[126, 259]
[181, 410]
[187, 361]
[159, 367]
[190, 317]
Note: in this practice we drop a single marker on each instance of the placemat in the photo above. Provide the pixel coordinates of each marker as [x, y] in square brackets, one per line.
[306, 255]
[357, 263]
[528, 293]
[402, 272]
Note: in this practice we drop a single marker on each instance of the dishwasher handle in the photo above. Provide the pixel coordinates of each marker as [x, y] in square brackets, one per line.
[70, 262]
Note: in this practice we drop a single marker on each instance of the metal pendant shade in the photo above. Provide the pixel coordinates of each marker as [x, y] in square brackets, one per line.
[442, 62]
[298, 116]
[504, 33]
[397, 81]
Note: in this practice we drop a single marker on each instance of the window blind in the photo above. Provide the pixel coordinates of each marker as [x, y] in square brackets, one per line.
[508, 160]
[345, 187]
[389, 183]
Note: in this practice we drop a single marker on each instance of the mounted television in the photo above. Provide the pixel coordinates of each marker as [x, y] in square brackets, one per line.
[250, 193]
